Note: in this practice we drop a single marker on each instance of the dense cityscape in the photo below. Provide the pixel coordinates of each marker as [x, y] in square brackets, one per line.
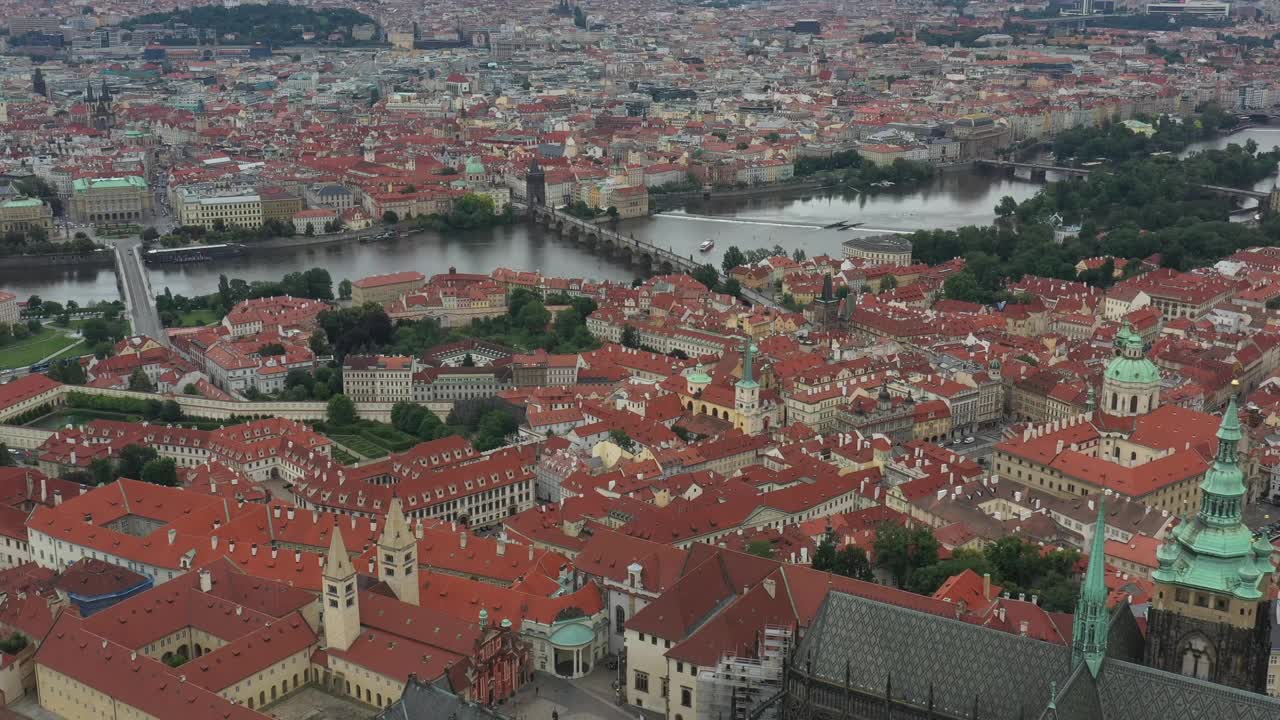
[672, 360]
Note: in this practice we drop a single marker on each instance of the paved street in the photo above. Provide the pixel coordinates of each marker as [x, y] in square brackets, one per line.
[589, 697]
[142, 309]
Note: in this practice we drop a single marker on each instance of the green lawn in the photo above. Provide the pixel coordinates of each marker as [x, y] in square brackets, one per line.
[80, 348]
[33, 349]
[361, 445]
[194, 318]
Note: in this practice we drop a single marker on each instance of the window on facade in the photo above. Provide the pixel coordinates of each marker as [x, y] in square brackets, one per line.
[686, 697]
[642, 681]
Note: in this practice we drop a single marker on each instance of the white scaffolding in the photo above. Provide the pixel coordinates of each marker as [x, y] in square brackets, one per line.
[738, 684]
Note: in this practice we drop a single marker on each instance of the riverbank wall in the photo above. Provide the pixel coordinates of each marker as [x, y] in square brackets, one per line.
[102, 259]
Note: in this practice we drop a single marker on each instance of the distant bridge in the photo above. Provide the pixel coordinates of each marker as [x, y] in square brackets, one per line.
[1042, 168]
[624, 247]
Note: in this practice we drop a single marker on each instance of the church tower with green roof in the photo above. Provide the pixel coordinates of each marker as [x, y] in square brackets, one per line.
[746, 395]
[1131, 383]
[1209, 614]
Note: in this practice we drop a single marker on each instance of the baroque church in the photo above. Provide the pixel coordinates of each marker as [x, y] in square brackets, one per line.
[1204, 654]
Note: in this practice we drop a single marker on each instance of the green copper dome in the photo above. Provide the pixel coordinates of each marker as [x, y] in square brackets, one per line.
[700, 378]
[1131, 364]
[1214, 550]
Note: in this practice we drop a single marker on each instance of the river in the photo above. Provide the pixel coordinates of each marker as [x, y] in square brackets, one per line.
[790, 219]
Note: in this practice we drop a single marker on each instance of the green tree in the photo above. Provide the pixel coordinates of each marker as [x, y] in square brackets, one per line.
[622, 440]
[630, 337]
[150, 235]
[161, 471]
[579, 17]
[733, 257]
[139, 381]
[6, 457]
[390, 217]
[132, 459]
[824, 558]
[902, 551]
[468, 360]
[707, 275]
[341, 410]
[102, 471]
[68, 371]
[852, 562]
[344, 289]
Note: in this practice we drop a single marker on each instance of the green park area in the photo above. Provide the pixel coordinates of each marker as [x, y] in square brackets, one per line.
[22, 352]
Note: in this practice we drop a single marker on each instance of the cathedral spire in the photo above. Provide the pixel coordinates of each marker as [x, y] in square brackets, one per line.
[1223, 491]
[747, 354]
[1089, 636]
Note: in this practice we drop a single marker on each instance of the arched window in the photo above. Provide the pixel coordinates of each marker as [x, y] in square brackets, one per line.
[1115, 398]
[619, 619]
[262, 697]
[1133, 404]
[1197, 658]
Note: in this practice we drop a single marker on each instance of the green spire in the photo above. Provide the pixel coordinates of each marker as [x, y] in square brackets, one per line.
[747, 380]
[1222, 492]
[1214, 550]
[1089, 637]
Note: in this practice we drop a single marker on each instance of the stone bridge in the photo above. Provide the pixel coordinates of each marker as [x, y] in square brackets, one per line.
[626, 248]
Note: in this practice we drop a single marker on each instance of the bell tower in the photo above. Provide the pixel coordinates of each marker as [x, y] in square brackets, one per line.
[341, 604]
[1210, 613]
[398, 555]
[746, 396]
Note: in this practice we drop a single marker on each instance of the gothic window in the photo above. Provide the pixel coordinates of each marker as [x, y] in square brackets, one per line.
[1197, 658]
[619, 619]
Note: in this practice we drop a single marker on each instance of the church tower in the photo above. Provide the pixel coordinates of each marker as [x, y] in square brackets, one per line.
[341, 605]
[1131, 383]
[1092, 621]
[535, 185]
[826, 305]
[398, 555]
[746, 396]
[1210, 615]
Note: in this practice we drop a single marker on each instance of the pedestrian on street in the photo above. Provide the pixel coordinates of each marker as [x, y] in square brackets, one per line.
[537, 691]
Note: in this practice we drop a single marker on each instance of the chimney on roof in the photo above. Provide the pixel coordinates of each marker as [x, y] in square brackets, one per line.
[373, 524]
[274, 553]
[213, 542]
[1001, 613]
[253, 550]
[239, 610]
[173, 535]
[986, 586]
[462, 539]
[1035, 599]
[501, 547]
[418, 530]
[206, 581]
[804, 555]
[1023, 627]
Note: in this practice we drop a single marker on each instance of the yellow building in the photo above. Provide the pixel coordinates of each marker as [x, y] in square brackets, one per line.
[23, 214]
[111, 200]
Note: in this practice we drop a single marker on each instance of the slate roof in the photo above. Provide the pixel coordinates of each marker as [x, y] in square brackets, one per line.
[1009, 674]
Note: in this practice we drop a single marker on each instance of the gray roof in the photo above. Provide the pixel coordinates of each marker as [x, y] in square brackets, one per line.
[880, 243]
[1005, 676]
[425, 701]
[1008, 674]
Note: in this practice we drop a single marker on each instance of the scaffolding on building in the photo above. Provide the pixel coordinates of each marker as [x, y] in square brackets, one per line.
[738, 684]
